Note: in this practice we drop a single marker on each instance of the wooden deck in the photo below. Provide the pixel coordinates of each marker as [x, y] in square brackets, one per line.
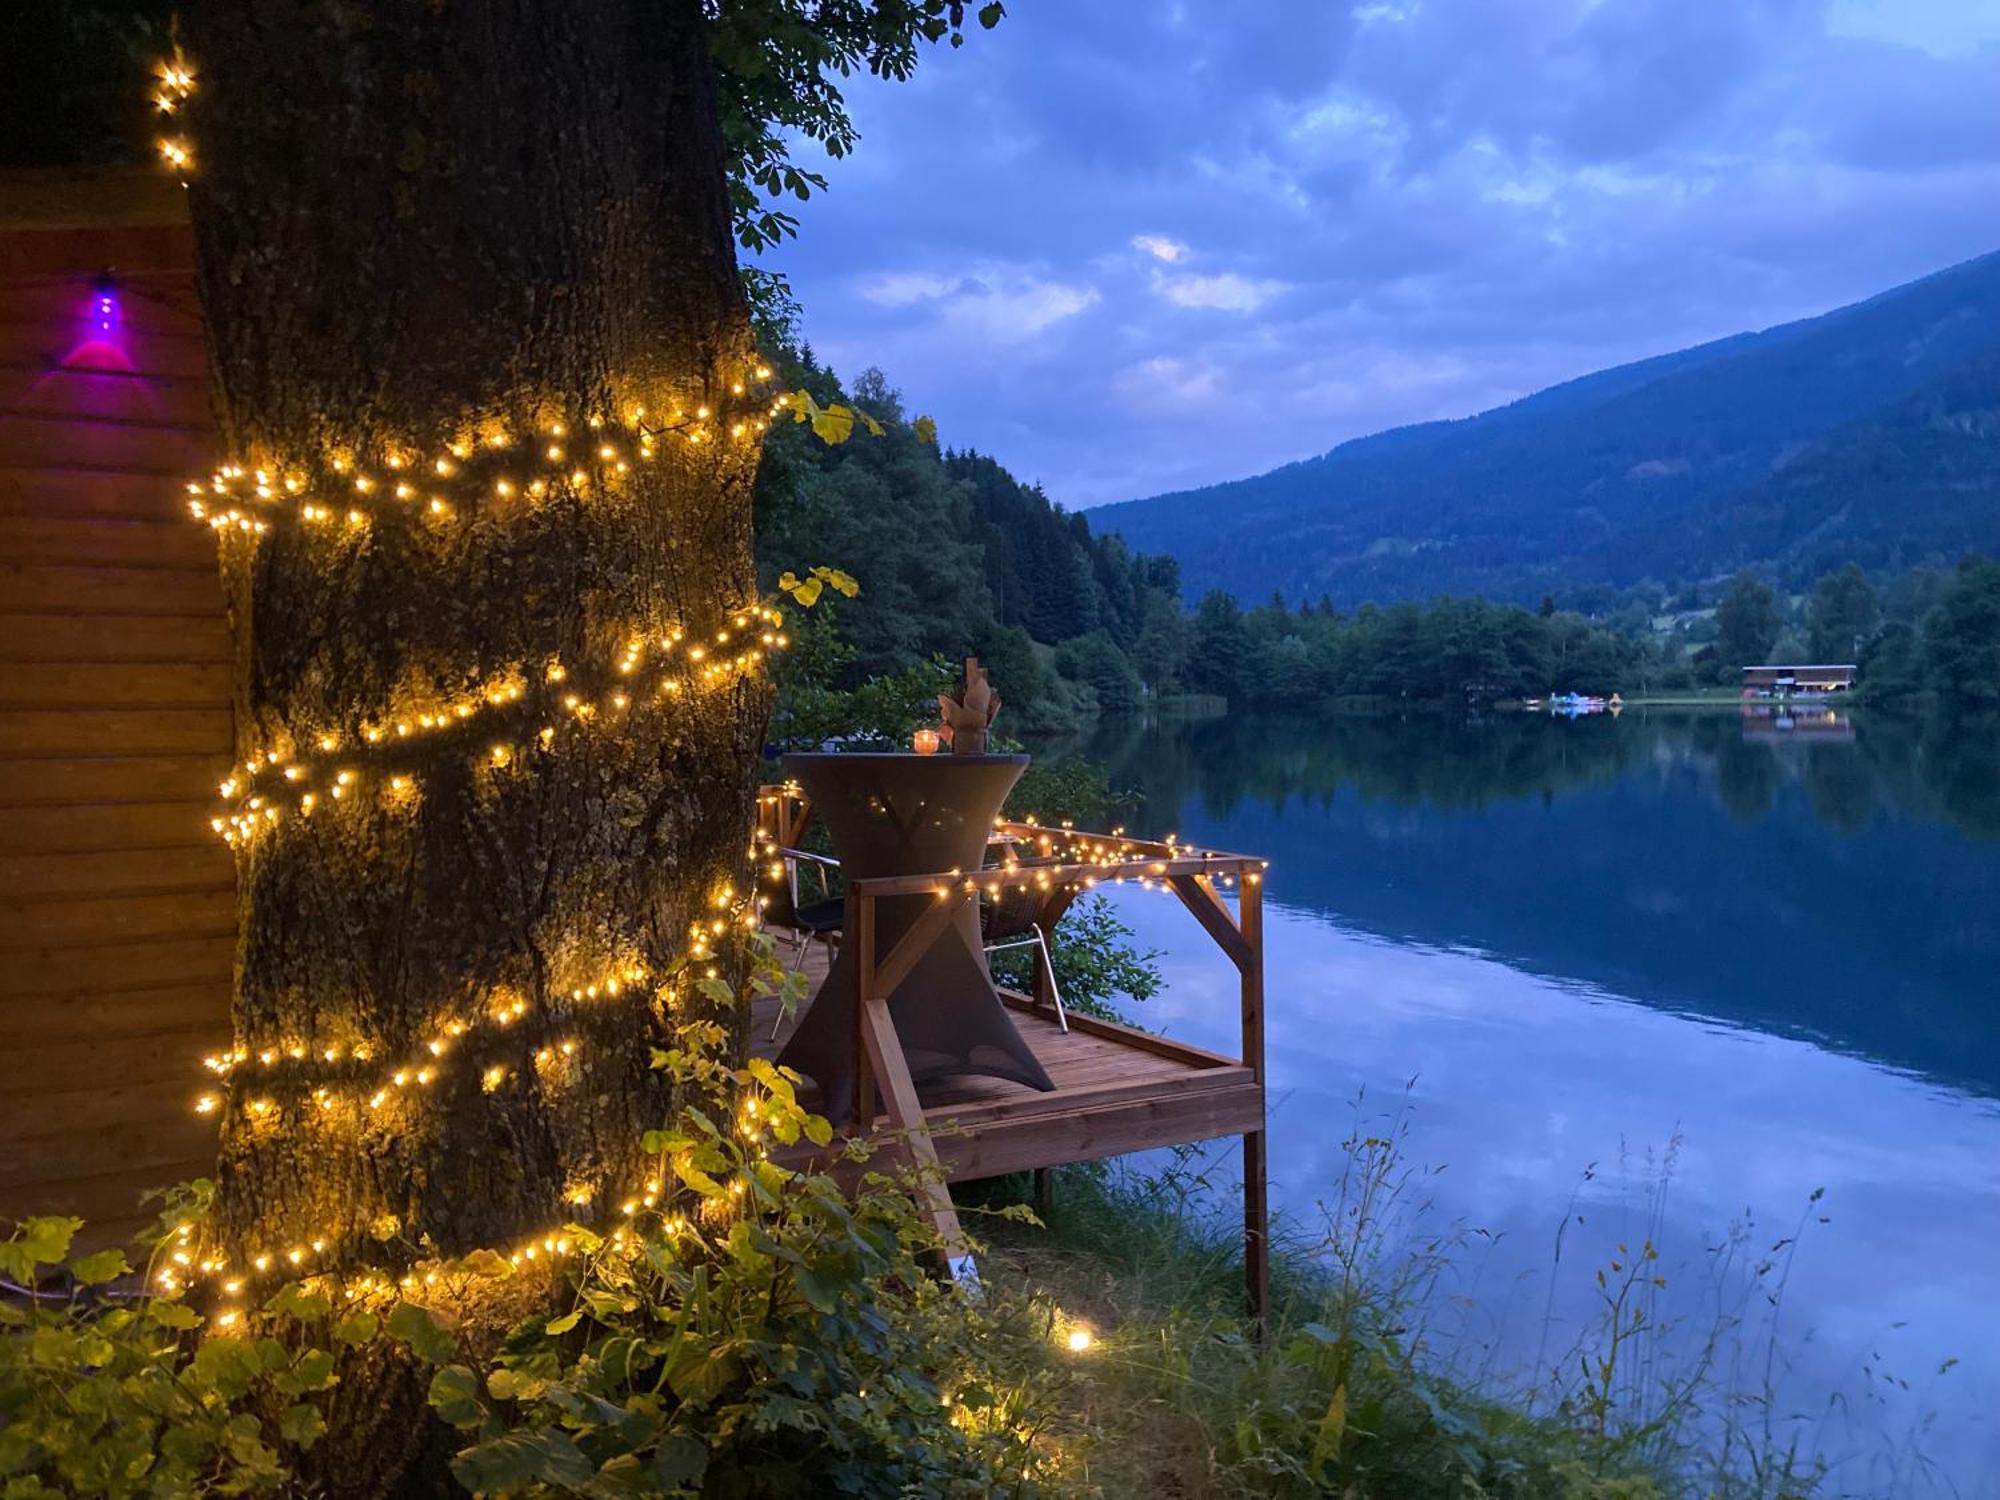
[1117, 1090]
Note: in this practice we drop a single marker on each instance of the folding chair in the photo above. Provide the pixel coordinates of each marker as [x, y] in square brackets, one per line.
[1012, 920]
[818, 920]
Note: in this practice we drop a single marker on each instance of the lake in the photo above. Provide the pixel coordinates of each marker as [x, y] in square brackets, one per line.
[1664, 975]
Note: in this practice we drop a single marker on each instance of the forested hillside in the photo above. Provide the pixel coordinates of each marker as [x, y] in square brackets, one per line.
[1870, 433]
[954, 555]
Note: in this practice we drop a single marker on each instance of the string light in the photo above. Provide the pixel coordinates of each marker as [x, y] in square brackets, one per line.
[175, 87]
[340, 499]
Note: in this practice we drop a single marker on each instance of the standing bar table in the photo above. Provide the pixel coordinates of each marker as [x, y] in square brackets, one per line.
[910, 815]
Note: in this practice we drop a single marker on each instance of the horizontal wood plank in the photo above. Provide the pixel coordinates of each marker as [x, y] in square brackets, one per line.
[101, 541]
[113, 1204]
[93, 779]
[84, 921]
[165, 304]
[125, 966]
[120, 731]
[192, 639]
[79, 488]
[105, 827]
[90, 392]
[32, 588]
[114, 685]
[171, 451]
[91, 1132]
[43, 876]
[1174, 1119]
[49, 1021]
[82, 220]
[75, 345]
[87, 1062]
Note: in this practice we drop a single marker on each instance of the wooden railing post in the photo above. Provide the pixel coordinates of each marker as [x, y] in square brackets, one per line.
[861, 906]
[1256, 1207]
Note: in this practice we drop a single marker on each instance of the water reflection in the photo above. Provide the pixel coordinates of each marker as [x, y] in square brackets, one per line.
[1839, 890]
[1588, 940]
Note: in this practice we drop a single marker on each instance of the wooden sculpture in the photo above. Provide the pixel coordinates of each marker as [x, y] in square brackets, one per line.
[966, 718]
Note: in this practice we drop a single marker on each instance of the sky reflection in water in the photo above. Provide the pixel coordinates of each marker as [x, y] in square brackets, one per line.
[1589, 944]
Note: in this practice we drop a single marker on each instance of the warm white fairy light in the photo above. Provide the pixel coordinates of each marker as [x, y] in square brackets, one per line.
[298, 1085]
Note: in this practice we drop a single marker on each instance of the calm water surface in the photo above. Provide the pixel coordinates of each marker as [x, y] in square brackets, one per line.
[1667, 974]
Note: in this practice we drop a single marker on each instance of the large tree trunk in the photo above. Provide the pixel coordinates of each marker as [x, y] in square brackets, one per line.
[428, 224]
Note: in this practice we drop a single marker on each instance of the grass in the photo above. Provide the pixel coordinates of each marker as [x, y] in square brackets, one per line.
[1351, 1394]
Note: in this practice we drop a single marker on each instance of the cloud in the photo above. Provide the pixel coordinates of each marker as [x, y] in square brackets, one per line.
[1159, 247]
[1000, 303]
[1163, 380]
[1225, 291]
[901, 288]
[1363, 215]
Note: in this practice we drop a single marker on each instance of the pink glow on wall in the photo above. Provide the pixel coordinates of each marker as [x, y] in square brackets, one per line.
[101, 338]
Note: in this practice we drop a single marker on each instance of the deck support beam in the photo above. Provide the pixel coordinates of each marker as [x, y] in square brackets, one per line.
[1256, 1206]
[881, 1063]
[1242, 938]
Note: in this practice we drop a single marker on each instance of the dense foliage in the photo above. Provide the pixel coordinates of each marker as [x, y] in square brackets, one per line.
[954, 557]
[1869, 434]
[765, 1333]
[1450, 651]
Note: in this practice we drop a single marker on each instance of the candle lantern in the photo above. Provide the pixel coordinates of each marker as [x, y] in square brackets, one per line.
[924, 742]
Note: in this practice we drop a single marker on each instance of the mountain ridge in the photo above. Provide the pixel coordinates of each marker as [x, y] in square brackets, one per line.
[1615, 475]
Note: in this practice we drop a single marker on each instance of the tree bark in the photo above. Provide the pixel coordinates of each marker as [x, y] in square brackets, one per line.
[430, 235]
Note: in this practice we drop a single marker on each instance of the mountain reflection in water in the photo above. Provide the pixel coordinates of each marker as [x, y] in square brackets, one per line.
[1768, 937]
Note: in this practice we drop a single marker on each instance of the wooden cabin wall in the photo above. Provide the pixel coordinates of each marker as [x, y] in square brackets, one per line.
[118, 931]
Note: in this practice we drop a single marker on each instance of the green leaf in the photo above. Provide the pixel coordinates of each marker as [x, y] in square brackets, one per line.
[699, 1377]
[694, 1177]
[95, 1270]
[833, 425]
[313, 1372]
[302, 1424]
[515, 1460]
[506, 1384]
[680, 1462]
[46, 1240]
[356, 1328]
[817, 1290]
[172, 1314]
[989, 15]
[566, 1322]
[293, 1300]
[1332, 1430]
[842, 582]
[454, 1396]
[479, 1263]
[414, 1325]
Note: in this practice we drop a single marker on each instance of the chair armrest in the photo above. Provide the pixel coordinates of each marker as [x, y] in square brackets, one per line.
[808, 857]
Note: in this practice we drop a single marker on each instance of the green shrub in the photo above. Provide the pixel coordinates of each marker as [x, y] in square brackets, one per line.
[762, 1333]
